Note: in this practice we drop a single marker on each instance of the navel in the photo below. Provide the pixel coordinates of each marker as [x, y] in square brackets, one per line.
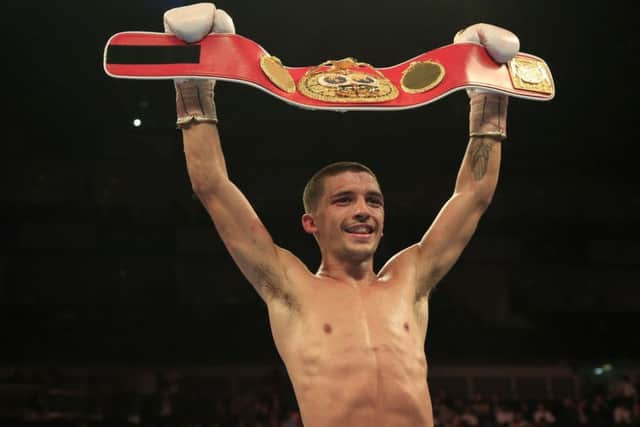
[327, 328]
[406, 326]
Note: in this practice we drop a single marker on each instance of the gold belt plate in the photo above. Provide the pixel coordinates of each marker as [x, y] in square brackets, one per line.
[421, 76]
[530, 74]
[278, 74]
[346, 81]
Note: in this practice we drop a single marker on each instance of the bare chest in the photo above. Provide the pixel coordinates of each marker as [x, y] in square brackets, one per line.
[366, 316]
[357, 351]
[354, 348]
[340, 315]
[359, 332]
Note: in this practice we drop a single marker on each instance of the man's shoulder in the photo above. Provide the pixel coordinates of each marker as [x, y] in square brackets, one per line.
[401, 262]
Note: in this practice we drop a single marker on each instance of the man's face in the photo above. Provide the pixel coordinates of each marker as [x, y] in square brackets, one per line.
[349, 219]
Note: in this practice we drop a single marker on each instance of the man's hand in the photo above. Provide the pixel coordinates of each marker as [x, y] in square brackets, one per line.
[501, 44]
[195, 98]
[192, 23]
[488, 115]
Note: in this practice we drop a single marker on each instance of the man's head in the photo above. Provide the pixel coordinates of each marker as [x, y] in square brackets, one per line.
[344, 210]
[315, 186]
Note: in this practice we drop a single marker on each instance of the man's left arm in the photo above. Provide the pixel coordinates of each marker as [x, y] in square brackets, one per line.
[455, 224]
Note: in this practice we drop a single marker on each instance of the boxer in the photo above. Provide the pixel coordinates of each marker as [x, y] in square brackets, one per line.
[352, 339]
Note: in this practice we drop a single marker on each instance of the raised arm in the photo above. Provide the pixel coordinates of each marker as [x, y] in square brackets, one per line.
[455, 224]
[245, 237]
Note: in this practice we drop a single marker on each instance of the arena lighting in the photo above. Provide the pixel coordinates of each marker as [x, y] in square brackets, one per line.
[600, 370]
[136, 123]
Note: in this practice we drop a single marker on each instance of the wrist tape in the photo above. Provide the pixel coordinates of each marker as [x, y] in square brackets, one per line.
[194, 102]
[488, 115]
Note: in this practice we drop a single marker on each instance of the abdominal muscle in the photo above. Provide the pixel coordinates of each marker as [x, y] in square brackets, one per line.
[357, 368]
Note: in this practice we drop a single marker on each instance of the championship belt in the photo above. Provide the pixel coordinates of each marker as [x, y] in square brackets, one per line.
[341, 85]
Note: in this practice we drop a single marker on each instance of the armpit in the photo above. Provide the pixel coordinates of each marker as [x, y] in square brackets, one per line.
[428, 280]
[271, 285]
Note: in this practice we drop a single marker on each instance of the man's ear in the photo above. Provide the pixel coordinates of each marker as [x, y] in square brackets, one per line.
[309, 224]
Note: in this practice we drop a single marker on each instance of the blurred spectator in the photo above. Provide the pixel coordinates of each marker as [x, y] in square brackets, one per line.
[519, 420]
[525, 409]
[621, 412]
[583, 412]
[443, 411]
[635, 414]
[543, 416]
[469, 417]
[145, 393]
[624, 388]
[503, 414]
[600, 413]
[567, 413]
[481, 406]
[165, 411]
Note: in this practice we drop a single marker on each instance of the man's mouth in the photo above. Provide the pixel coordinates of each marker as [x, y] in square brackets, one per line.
[360, 229]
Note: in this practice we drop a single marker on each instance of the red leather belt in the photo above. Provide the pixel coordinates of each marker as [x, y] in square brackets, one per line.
[343, 84]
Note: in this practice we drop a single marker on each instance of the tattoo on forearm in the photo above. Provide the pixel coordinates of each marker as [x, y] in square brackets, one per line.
[479, 152]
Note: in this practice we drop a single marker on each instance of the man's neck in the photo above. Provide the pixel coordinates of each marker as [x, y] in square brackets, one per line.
[356, 274]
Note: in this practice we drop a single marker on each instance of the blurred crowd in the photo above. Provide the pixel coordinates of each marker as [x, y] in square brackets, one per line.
[600, 409]
[146, 397]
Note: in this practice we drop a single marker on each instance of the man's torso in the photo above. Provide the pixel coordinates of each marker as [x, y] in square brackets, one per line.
[355, 356]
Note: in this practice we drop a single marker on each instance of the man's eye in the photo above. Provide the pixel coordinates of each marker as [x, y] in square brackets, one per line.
[343, 200]
[376, 202]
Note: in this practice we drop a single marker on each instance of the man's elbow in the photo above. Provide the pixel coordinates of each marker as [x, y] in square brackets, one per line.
[207, 186]
[202, 190]
[483, 199]
[480, 196]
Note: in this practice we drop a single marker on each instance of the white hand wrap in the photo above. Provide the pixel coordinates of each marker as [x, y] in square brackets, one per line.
[488, 115]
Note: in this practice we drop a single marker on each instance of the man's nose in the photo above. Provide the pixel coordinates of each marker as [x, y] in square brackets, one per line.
[361, 216]
[362, 211]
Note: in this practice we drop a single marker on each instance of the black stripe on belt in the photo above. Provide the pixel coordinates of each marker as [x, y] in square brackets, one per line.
[121, 54]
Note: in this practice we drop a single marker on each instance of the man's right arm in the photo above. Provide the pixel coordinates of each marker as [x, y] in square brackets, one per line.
[261, 261]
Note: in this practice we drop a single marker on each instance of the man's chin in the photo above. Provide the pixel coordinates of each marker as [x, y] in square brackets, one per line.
[360, 251]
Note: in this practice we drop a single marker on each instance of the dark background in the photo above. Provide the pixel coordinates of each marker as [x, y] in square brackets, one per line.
[106, 256]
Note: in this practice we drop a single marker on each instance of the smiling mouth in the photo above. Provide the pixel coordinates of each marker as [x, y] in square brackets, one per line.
[360, 230]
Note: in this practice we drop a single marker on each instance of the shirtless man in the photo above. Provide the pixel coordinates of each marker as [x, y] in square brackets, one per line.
[352, 339]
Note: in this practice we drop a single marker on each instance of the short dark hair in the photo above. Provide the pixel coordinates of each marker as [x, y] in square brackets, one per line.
[315, 186]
